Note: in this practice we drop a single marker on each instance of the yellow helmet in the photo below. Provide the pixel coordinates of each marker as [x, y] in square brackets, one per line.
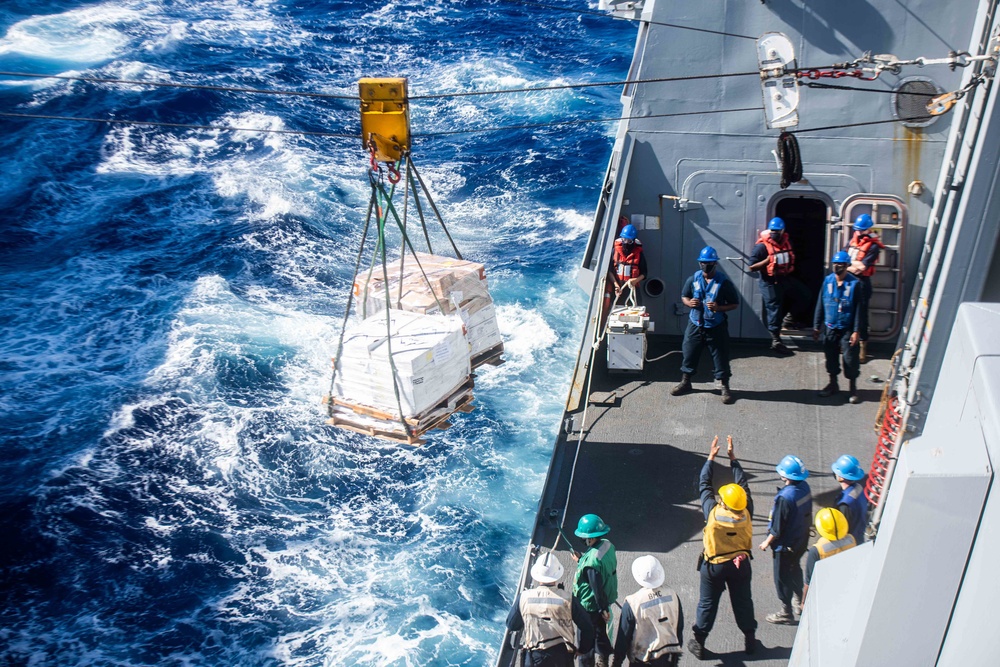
[734, 496]
[831, 523]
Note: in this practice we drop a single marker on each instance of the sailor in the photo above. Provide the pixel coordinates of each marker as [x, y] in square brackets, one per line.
[727, 544]
[852, 502]
[710, 295]
[596, 583]
[831, 525]
[788, 535]
[547, 615]
[774, 258]
[839, 318]
[651, 620]
[864, 250]
[629, 262]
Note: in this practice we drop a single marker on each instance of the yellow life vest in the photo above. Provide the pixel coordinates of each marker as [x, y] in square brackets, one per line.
[826, 548]
[727, 534]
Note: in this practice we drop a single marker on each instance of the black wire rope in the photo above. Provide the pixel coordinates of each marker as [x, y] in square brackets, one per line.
[402, 255]
[382, 217]
[420, 211]
[434, 208]
[639, 20]
[182, 126]
[870, 122]
[579, 121]
[391, 208]
[832, 86]
[260, 91]
[172, 84]
[596, 84]
[388, 316]
[350, 299]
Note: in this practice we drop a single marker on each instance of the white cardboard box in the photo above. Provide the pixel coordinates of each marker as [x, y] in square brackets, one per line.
[430, 353]
[451, 286]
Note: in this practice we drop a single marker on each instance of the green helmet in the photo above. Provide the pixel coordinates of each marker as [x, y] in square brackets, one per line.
[591, 525]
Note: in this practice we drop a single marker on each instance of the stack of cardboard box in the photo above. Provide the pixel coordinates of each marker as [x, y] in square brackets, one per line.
[430, 354]
[430, 284]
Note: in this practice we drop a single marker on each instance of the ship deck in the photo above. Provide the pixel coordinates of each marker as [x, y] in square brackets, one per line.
[643, 449]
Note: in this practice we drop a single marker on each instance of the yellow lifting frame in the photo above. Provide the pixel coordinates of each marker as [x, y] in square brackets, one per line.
[385, 117]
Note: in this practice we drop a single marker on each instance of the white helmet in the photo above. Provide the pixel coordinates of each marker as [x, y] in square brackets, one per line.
[647, 571]
[547, 569]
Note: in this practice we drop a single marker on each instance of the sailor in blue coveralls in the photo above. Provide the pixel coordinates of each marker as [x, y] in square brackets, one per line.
[852, 502]
[710, 295]
[838, 317]
[788, 535]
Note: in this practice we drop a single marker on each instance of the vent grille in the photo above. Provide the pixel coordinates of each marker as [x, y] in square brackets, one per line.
[909, 104]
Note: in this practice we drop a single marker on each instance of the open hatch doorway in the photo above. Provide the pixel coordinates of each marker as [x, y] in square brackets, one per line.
[806, 220]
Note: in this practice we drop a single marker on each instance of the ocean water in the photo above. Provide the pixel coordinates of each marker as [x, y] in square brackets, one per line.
[169, 492]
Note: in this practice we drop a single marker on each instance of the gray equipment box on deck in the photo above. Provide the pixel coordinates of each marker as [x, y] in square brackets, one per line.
[627, 327]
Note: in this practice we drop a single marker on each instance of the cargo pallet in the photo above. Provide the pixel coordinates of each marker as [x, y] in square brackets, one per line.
[490, 356]
[378, 423]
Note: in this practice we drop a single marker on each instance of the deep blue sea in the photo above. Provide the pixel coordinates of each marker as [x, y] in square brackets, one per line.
[171, 298]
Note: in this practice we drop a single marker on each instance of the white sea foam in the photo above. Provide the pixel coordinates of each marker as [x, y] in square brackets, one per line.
[80, 36]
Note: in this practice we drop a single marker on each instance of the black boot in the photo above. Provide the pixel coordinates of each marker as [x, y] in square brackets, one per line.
[682, 387]
[777, 346]
[749, 643]
[697, 647]
[727, 396]
[830, 389]
[854, 398]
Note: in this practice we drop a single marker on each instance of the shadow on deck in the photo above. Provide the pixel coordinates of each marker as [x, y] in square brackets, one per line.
[642, 451]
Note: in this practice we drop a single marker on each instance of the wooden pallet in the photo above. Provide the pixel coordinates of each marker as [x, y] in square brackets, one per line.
[490, 356]
[377, 423]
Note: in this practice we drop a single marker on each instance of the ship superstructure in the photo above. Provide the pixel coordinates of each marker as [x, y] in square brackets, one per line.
[896, 119]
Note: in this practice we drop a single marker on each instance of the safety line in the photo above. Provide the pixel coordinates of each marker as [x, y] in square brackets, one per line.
[171, 84]
[597, 84]
[871, 122]
[187, 126]
[622, 18]
[816, 84]
[579, 121]
[184, 126]
[429, 135]
[567, 86]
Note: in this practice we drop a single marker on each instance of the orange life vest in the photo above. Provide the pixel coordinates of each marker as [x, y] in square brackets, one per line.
[858, 249]
[627, 264]
[780, 257]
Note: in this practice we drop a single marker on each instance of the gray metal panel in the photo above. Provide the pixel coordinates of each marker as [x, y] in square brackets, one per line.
[824, 637]
[972, 637]
[930, 519]
[974, 335]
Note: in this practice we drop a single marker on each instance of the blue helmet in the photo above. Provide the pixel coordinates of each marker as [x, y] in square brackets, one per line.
[628, 232]
[841, 257]
[848, 467]
[776, 225]
[863, 222]
[708, 254]
[792, 467]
